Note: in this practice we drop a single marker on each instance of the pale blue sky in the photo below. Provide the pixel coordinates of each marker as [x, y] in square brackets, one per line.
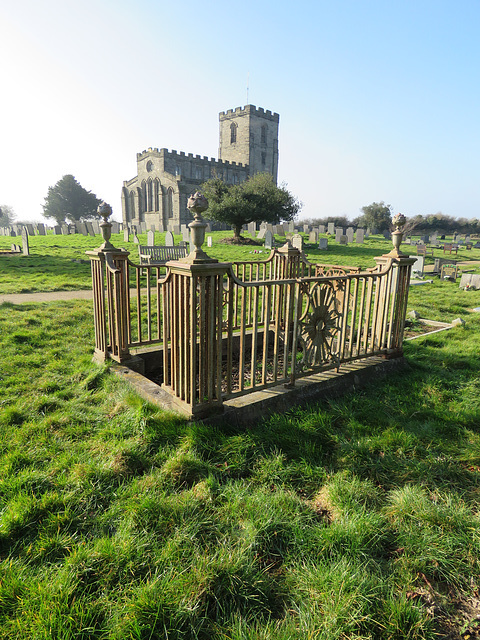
[378, 100]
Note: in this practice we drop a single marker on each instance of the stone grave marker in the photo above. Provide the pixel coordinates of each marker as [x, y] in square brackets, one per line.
[169, 240]
[82, 228]
[349, 234]
[418, 265]
[25, 247]
[90, 230]
[41, 229]
[126, 235]
[209, 241]
[57, 230]
[323, 243]
[470, 280]
[268, 239]
[252, 229]
[387, 235]
[331, 228]
[291, 227]
[306, 228]
[261, 233]
[338, 234]
[343, 239]
[72, 228]
[313, 237]
[297, 241]
[359, 236]
[116, 227]
[135, 238]
[321, 228]
[64, 230]
[150, 237]
[96, 227]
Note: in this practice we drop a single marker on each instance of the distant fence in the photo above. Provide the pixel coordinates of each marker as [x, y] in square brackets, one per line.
[224, 330]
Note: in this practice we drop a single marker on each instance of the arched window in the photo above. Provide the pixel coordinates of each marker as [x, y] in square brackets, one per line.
[156, 190]
[198, 173]
[170, 203]
[143, 206]
[263, 138]
[149, 195]
[233, 133]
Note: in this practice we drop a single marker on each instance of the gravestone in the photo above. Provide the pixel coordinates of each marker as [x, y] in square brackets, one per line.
[90, 230]
[176, 230]
[439, 262]
[349, 234]
[82, 228]
[72, 228]
[261, 233]
[297, 241]
[313, 237]
[96, 227]
[151, 237]
[116, 227]
[25, 247]
[169, 240]
[57, 230]
[252, 229]
[30, 229]
[268, 239]
[291, 227]
[470, 280]
[338, 234]
[41, 229]
[209, 241]
[64, 230]
[418, 265]
[323, 243]
[208, 228]
[331, 228]
[321, 228]
[387, 235]
[279, 230]
[306, 228]
[344, 239]
[359, 236]
[135, 238]
[126, 235]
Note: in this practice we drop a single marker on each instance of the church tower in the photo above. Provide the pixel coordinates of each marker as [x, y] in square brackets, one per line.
[250, 136]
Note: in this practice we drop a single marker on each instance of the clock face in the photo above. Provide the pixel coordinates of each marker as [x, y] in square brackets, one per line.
[149, 166]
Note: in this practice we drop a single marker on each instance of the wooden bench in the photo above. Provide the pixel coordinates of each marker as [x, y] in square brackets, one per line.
[450, 247]
[154, 254]
[422, 250]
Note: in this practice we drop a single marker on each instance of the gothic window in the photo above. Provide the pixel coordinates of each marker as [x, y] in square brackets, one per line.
[149, 195]
[143, 206]
[178, 170]
[170, 203]
[198, 173]
[263, 137]
[156, 190]
[233, 133]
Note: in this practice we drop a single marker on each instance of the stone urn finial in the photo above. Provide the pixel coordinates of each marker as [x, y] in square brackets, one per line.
[105, 211]
[398, 222]
[197, 204]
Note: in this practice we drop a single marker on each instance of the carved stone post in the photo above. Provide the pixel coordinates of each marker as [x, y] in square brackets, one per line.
[394, 297]
[193, 314]
[110, 295]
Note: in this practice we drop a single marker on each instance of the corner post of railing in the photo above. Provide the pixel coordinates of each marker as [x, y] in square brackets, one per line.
[287, 261]
[110, 295]
[195, 354]
[397, 296]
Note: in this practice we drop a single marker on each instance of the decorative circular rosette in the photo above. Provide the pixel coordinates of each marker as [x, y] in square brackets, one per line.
[319, 325]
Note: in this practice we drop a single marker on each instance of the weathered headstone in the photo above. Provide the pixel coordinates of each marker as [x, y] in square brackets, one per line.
[65, 230]
[313, 237]
[252, 229]
[209, 241]
[268, 239]
[261, 233]
[306, 228]
[359, 236]
[81, 228]
[470, 281]
[349, 234]
[96, 227]
[338, 234]
[135, 238]
[343, 239]
[150, 237]
[291, 226]
[30, 229]
[331, 228]
[41, 229]
[25, 247]
[418, 265]
[321, 228]
[57, 230]
[297, 241]
[126, 235]
[116, 227]
[323, 243]
[90, 230]
[169, 240]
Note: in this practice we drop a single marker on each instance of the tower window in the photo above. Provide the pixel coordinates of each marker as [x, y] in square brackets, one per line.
[233, 133]
[264, 158]
[263, 138]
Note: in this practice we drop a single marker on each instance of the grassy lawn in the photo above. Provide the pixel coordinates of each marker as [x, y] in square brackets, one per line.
[352, 519]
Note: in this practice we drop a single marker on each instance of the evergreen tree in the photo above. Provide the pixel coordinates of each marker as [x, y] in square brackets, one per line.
[7, 215]
[68, 200]
[258, 199]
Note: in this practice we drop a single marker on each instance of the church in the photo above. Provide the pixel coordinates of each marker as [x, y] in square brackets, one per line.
[158, 194]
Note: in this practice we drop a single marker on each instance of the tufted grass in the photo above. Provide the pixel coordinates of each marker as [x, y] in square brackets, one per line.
[353, 518]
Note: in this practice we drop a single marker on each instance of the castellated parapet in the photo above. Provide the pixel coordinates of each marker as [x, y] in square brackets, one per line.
[158, 194]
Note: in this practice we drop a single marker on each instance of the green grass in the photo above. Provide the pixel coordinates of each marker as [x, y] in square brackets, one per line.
[59, 263]
[355, 518]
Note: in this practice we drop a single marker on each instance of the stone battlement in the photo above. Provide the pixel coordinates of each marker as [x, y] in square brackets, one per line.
[249, 109]
[182, 156]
